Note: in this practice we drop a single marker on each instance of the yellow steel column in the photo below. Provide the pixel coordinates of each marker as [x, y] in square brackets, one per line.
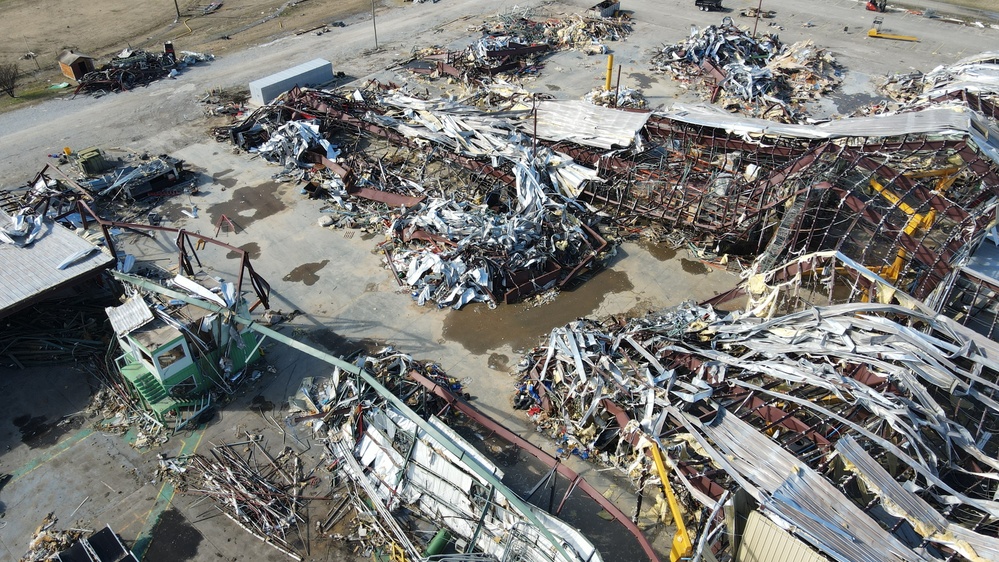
[610, 69]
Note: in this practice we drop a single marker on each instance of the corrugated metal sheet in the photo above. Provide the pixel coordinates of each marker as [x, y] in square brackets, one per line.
[953, 119]
[587, 124]
[797, 494]
[902, 503]
[30, 271]
[764, 541]
[134, 313]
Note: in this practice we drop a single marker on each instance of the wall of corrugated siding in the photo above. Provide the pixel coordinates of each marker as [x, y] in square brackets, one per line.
[764, 541]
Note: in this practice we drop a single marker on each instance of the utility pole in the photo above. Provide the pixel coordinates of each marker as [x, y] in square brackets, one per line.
[758, 10]
[373, 25]
[177, 6]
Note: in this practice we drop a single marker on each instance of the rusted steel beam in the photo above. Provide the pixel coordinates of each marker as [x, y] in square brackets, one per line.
[260, 286]
[773, 414]
[601, 246]
[550, 461]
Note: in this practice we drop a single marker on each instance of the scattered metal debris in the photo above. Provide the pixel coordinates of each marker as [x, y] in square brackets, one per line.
[514, 43]
[751, 73]
[264, 494]
[132, 68]
[461, 229]
[796, 411]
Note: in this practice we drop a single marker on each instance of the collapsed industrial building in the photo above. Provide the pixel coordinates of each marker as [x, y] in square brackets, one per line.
[840, 398]
[855, 390]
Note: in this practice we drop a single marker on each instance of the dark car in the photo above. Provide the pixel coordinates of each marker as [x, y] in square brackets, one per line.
[708, 5]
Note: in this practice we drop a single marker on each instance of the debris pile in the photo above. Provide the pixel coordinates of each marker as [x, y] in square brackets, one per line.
[514, 43]
[745, 69]
[24, 228]
[407, 471]
[48, 542]
[132, 68]
[783, 409]
[263, 494]
[573, 32]
[972, 80]
[627, 98]
[473, 212]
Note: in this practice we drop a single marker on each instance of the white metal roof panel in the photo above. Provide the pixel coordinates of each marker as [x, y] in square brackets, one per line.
[31, 271]
[134, 313]
[587, 124]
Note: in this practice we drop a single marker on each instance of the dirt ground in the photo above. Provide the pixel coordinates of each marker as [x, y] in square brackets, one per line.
[102, 28]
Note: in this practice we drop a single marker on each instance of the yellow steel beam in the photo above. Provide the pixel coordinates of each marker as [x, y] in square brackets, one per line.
[681, 540]
[873, 32]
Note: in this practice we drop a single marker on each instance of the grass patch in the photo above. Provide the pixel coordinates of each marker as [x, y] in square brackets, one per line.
[30, 95]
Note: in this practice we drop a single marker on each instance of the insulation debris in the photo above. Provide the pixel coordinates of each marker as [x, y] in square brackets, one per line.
[727, 60]
[48, 541]
[813, 414]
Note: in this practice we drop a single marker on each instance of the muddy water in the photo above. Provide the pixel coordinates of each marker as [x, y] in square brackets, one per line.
[521, 472]
[341, 346]
[306, 273]
[249, 204]
[251, 248]
[660, 251]
[480, 330]
[693, 267]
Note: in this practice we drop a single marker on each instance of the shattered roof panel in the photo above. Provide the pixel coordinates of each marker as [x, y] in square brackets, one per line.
[133, 314]
[587, 124]
[935, 120]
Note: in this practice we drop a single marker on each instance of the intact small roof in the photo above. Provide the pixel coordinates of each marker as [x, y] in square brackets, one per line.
[69, 57]
[28, 273]
[587, 124]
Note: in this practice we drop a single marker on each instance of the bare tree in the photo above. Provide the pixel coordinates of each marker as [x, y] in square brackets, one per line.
[8, 78]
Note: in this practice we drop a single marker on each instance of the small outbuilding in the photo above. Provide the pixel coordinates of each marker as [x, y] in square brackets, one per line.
[75, 65]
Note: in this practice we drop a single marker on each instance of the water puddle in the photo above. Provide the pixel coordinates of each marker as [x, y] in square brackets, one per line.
[660, 251]
[480, 330]
[693, 267]
[249, 204]
[37, 432]
[261, 404]
[251, 248]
